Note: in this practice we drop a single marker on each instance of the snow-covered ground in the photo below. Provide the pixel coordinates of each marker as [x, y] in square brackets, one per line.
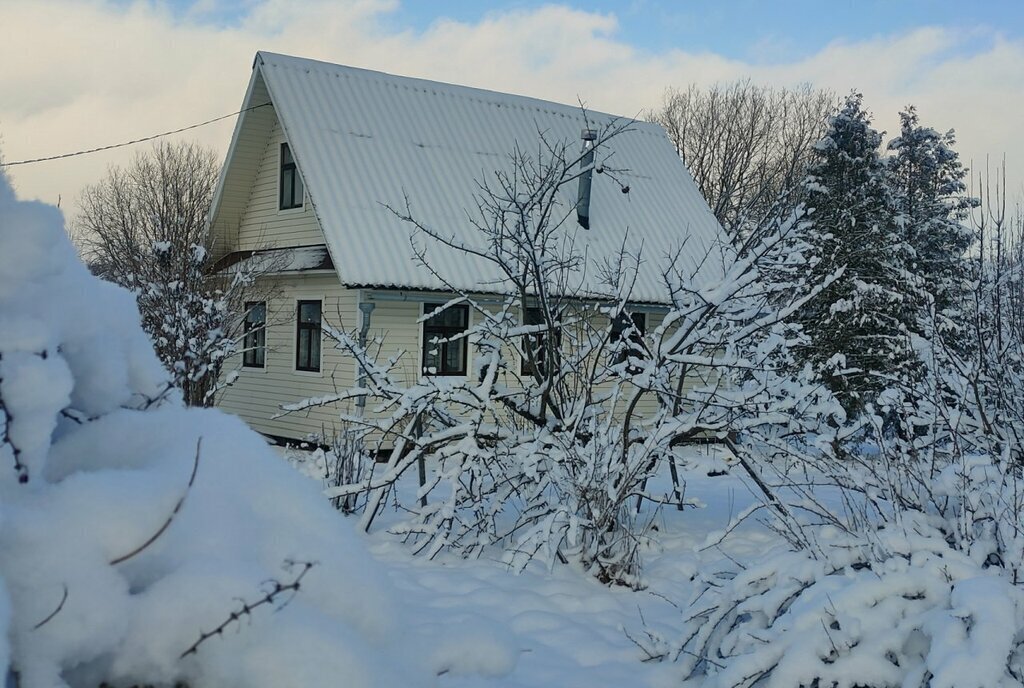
[561, 627]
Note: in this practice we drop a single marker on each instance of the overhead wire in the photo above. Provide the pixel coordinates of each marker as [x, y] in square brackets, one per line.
[129, 143]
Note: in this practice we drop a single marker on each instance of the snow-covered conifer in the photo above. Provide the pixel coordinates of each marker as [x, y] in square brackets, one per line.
[928, 187]
[859, 326]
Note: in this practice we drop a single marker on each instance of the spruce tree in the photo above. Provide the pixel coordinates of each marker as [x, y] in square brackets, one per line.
[858, 326]
[931, 204]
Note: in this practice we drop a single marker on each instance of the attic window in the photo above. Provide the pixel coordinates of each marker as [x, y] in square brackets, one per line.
[291, 183]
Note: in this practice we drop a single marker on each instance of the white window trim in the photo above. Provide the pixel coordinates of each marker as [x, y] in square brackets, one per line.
[294, 348]
[420, 344]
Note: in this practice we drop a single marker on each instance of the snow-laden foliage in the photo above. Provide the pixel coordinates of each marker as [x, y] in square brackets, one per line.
[143, 543]
[929, 192]
[904, 530]
[190, 319]
[534, 449]
[896, 607]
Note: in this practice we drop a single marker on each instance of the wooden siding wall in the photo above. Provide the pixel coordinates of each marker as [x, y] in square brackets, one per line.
[258, 393]
[262, 224]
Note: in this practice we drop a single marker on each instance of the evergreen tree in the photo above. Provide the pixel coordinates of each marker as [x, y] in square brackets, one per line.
[931, 204]
[858, 326]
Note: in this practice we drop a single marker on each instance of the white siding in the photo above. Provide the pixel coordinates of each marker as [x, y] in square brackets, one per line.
[395, 323]
[262, 224]
[258, 394]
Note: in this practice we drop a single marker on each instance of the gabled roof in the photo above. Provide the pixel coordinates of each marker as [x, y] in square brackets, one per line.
[365, 140]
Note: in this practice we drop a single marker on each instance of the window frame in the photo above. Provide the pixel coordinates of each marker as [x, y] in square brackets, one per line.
[296, 180]
[446, 333]
[300, 327]
[254, 339]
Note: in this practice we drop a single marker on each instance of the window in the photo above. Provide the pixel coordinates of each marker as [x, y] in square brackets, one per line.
[537, 343]
[307, 337]
[254, 344]
[291, 182]
[633, 326]
[444, 350]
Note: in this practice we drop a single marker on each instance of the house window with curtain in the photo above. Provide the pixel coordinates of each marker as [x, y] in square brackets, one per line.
[290, 181]
[254, 343]
[444, 350]
[307, 337]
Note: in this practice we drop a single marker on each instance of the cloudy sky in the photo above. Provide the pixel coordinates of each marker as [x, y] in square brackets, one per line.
[77, 74]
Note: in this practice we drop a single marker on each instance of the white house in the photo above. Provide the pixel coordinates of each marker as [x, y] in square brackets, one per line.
[321, 152]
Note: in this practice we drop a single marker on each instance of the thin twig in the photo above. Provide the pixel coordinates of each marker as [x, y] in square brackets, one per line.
[167, 523]
[55, 612]
[278, 588]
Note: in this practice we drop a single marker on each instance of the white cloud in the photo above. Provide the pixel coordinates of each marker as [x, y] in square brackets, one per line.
[81, 74]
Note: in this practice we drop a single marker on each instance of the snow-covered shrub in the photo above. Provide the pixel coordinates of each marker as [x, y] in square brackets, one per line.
[540, 449]
[894, 607]
[904, 556]
[546, 447]
[190, 320]
[131, 527]
[906, 547]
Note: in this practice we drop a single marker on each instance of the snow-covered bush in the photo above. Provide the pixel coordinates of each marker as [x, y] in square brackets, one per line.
[894, 607]
[904, 555]
[191, 320]
[539, 449]
[144, 543]
[906, 547]
[546, 447]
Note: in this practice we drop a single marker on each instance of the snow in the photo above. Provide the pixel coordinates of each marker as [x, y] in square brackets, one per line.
[132, 527]
[561, 626]
[96, 457]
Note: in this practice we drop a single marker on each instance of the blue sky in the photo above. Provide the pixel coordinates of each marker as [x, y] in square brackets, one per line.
[752, 30]
[759, 31]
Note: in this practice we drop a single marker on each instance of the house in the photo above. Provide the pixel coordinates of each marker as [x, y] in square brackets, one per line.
[320, 154]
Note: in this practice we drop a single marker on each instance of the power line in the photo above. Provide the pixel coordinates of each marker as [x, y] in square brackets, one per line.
[130, 143]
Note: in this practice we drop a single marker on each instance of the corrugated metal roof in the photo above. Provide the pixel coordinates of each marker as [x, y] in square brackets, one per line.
[365, 140]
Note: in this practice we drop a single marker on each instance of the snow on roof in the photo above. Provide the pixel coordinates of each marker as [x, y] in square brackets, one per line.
[272, 260]
[366, 140]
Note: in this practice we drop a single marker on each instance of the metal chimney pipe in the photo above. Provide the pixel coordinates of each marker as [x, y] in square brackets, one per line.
[586, 175]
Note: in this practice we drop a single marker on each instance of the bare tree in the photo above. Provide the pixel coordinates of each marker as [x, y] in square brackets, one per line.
[745, 144]
[144, 227]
